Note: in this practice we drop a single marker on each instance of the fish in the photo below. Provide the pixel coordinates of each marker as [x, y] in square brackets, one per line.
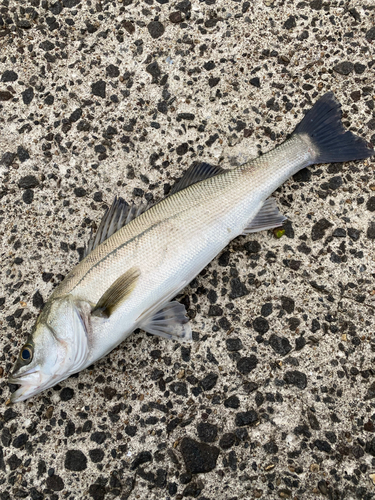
[143, 256]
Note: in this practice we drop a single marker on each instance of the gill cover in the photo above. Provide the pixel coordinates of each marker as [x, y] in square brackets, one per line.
[69, 322]
[57, 347]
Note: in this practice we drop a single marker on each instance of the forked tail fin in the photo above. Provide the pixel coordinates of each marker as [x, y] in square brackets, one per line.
[332, 142]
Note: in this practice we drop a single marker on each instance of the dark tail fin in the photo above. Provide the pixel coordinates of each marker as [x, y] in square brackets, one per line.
[324, 127]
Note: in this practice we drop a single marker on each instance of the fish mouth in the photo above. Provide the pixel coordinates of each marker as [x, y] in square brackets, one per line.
[23, 392]
[30, 382]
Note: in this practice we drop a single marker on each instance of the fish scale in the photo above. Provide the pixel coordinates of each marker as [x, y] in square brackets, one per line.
[189, 217]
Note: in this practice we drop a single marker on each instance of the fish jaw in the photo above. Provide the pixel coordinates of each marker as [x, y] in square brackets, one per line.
[22, 393]
[33, 383]
[30, 385]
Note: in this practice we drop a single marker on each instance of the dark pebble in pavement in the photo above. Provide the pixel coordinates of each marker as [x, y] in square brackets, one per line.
[75, 460]
[246, 418]
[28, 181]
[198, 457]
[344, 68]
[156, 29]
[246, 364]
[207, 432]
[296, 378]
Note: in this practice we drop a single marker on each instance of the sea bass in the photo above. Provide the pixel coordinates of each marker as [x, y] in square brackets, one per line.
[139, 261]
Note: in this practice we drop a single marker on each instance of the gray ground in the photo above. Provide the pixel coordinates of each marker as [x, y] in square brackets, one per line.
[275, 397]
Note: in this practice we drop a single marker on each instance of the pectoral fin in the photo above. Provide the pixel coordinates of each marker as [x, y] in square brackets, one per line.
[170, 322]
[117, 293]
[268, 217]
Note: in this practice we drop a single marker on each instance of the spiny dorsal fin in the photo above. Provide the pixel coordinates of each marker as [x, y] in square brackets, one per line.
[117, 293]
[268, 217]
[119, 214]
[196, 173]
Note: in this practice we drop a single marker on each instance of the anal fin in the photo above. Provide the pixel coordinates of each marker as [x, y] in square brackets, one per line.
[268, 217]
[170, 322]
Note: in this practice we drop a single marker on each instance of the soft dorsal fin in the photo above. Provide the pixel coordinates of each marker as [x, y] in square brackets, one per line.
[119, 214]
[116, 293]
[196, 173]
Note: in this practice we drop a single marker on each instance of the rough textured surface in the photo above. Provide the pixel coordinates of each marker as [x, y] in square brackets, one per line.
[275, 397]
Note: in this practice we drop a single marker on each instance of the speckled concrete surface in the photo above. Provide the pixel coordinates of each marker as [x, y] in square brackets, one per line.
[275, 397]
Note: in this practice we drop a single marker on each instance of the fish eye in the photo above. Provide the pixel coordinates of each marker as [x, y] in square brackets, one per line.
[27, 354]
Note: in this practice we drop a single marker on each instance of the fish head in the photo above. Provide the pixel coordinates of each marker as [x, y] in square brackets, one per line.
[56, 348]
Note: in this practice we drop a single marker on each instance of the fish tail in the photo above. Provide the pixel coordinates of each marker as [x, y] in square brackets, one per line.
[324, 128]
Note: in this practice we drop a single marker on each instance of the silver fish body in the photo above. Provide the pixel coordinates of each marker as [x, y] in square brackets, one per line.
[174, 240]
[161, 251]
